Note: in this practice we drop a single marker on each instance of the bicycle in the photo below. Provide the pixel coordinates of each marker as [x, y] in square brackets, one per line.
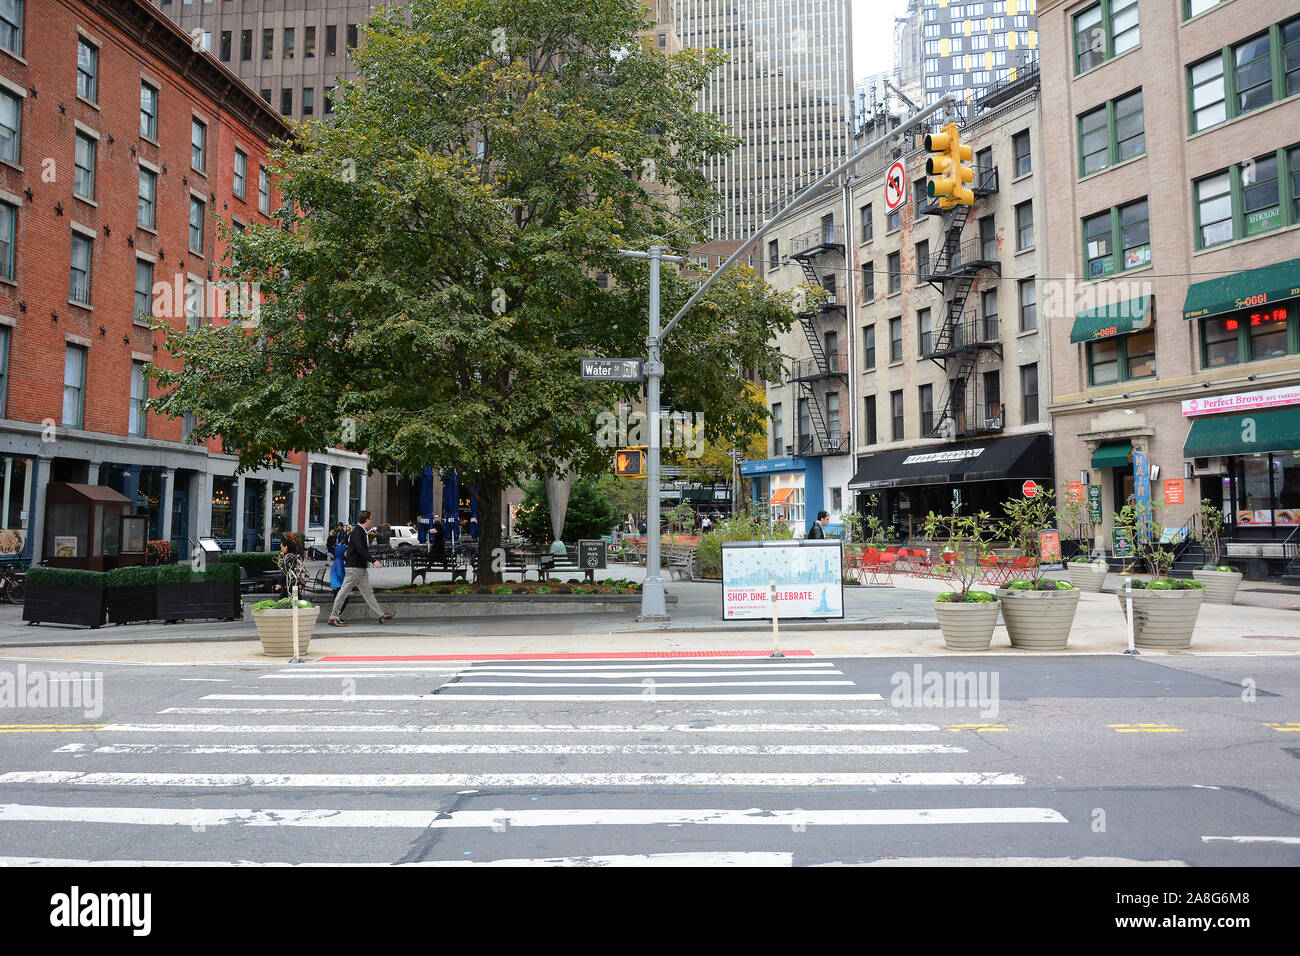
[13, 584]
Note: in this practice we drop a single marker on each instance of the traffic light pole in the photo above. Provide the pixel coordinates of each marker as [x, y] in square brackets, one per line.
[653, 606]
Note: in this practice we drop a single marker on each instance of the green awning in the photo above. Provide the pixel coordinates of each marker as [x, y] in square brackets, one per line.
[1274, 430]
[1112, 455]
[1117, 318]
[1243, 290]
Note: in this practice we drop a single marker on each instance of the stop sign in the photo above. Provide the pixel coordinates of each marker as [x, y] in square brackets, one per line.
[1030, 488]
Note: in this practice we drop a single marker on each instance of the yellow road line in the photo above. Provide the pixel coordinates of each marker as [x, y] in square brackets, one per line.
[1289, 727]
[1146, 729]
[978, 728]
[47, 728]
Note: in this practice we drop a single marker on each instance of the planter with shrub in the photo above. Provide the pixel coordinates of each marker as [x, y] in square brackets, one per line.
[1038, 615]
[967, 620]
[1220, 580]
[966, 616]
[132, 594]
[185, 594]
[65, 596]
[275, 621]
[1164, 612]
[1088, 575]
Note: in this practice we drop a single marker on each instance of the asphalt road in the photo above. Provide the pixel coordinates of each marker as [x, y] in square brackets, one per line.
[713, 761]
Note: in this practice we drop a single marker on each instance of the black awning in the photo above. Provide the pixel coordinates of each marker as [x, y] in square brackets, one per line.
[1021, 456]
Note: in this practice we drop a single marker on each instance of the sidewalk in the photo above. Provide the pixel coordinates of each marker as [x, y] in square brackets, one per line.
[885, 621]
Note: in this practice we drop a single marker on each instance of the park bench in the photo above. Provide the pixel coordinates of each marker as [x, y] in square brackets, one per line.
[423, 563]
[680, 561]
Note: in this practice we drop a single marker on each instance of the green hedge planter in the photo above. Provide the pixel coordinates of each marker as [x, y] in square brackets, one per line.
[65, 596]
[132, 594]
[187, 595]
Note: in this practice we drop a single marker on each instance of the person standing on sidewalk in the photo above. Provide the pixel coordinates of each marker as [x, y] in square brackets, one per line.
[357, 563]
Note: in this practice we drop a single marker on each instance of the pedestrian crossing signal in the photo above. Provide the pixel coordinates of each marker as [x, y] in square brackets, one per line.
[629, 463]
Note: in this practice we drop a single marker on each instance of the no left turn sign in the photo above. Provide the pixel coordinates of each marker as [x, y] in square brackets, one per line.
[895, 186]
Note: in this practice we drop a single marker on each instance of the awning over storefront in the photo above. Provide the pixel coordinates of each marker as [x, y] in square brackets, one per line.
[1112, 455]
[1021, 456]
[1276, 430]
[1117, 318]
[779, 496]
[1243, 290]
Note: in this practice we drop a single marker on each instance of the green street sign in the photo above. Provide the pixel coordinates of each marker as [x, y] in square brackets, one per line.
[1094, 504]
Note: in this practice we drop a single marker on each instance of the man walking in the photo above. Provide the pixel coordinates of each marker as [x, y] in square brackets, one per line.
[356, 564]
[818, 528]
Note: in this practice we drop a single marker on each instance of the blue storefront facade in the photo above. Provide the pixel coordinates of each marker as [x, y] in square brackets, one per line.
[790, 488]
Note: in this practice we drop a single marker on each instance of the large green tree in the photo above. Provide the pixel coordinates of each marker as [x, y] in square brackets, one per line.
[433, 279]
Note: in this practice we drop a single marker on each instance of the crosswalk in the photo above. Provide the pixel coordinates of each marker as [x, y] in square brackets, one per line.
[742, 762]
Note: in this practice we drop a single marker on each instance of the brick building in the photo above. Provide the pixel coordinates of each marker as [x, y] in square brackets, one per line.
[1175, 305]
[121, 146]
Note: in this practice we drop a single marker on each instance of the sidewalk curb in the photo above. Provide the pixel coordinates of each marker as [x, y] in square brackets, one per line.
[727, 628]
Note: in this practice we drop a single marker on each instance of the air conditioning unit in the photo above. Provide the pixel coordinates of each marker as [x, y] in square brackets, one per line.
[993, 423]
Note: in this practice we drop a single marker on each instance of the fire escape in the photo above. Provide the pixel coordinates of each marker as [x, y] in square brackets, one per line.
[824, 371]
[963, 338]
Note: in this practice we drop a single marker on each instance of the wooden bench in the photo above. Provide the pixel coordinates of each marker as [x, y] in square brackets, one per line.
[423, 563]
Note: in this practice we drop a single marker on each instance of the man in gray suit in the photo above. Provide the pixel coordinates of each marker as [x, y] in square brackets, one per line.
[356, 572]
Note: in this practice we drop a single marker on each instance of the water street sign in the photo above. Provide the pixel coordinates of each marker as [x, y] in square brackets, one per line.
[612, 370]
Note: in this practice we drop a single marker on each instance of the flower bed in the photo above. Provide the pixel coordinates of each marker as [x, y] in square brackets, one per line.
[572, 586]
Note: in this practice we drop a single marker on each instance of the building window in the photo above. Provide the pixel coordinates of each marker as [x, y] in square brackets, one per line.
[1122, 358]
[988, 239]
[1267, 332]
[989, 311]
[1028, 304]
[895, 273]
[268, 44]
[139, 393]
[225, 46]
[1117, 239]
[1112, 133]
[196, 225]
[148, 111]
[327, 104]
[146, 204]
[778, 432]
[1022, 162]
[1025, 226]
[8, 222]
[286, 102]
[868, 347]
[79, 284]
[896, 415]
[1029, 394]
[11, 26]
[83, 177]
[866, 222]
[833, 419]
[241, 173]
[805, 425]
[993, 400]
[1104, 30]
[922, 258]
[11, 125]
[198, 145]
[869, 435]
[4, 366]
[1193, 7]
[187, 428]
[663, 41]
[287, 46]
[1245, 76]
[316, 496]
[263, 191]
[266, 95]
[331, 40]
[868, 281]
[143, 292]
[309, 43]
[896, 339]
[924, 332]
[1245, 199]
[87, 70]
[352, 36]
[74, 385]
[774, 254]
[245, 45]
[891, 220]
[925, 395]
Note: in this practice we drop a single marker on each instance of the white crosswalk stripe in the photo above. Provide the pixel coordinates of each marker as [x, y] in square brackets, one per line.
[605, 788]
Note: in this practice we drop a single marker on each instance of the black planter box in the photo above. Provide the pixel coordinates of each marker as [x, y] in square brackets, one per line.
[138, 603]
[79, 606]
[198, 599]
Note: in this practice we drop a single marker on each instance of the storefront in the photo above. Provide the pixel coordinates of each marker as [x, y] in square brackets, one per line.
[789, 488]
[145, 486]
[1245, 449]
[16, 499]
[909, 483]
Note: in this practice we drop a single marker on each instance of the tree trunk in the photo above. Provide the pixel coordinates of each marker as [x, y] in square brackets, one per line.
[488, 490]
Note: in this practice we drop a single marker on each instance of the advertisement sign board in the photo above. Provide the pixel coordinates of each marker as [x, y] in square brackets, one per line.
[1094, 504]
[808, 576]
[1173, 491]
[1049, 548]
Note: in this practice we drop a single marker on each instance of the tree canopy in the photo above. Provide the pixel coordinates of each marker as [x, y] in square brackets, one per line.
[447, 250]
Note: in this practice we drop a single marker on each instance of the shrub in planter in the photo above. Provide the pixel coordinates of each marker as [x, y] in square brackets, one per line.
[275, 620]
[253, 562]
[1220, 580]
[1088, 575]
[65, 596]
[966, 616]
[132, 594]
[1164, 612]
[186, 594]
[1038, 614]
[157, 552]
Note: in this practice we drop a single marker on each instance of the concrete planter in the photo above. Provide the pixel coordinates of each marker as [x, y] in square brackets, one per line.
[1039, 620]
[1087, 577]
[967, 626]
[1164, 619]
[275, 628]
[1220, 586]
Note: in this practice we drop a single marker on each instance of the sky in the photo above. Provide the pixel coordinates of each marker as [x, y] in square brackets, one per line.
[873, 34]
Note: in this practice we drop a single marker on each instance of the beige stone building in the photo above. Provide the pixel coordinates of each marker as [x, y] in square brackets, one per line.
[1174, 296]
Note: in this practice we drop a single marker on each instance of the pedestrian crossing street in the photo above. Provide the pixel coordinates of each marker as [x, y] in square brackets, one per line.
[663, 762]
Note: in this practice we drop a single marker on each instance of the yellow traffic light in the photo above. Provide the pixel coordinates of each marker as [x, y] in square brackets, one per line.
[947, 172]
[629, 463]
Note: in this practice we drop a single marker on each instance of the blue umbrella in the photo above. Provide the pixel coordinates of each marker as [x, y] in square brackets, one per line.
[451, 505]
[473, 511]
[426, 505]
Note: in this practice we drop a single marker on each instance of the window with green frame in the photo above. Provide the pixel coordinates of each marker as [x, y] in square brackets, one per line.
[1117, 239]
[1192, 8]
[1122, 358]
[1104, 30]
[1112, 133]
[1248, 198]
[1251, 335]
[1243, 77]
